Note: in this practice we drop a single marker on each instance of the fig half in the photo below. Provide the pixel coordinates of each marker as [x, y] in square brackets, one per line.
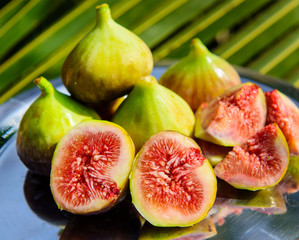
[282, 111]
[259, 163]
[91, 166]
[233, 117]
[172, 184]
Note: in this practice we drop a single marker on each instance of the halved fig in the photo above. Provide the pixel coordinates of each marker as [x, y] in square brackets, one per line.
[259, 163]
[91, 166]
[200, 231]
[232, 117]
[172, 183]
[283, 111]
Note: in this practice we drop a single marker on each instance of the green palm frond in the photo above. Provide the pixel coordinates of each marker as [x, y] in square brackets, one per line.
[37, 35]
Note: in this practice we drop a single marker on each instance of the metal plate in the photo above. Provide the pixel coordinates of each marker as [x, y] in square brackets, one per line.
[18, 221]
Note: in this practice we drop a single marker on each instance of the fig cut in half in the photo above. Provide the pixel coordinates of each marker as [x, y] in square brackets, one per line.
[172, 184]
[283, 111]
[91, 166]
[259, 163]
[233, 117]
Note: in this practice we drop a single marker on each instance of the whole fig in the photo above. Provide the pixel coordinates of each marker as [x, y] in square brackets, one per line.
[107, 62]
[150, 108]
[47, 119]
[201, 76]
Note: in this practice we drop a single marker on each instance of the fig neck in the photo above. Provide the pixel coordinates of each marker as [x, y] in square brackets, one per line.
[103, 15]
[45, 86]
[198, 49]
[148, 82]
[150, 79]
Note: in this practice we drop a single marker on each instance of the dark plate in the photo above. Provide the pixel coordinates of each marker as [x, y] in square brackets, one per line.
[18, 220]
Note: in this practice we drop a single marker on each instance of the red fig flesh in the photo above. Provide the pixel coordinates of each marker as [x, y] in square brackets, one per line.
[233, 117]
[172, 183]
[282, 111]
[259, 163]
[91, 166]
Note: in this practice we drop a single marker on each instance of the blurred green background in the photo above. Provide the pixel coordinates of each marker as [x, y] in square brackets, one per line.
[37, 35]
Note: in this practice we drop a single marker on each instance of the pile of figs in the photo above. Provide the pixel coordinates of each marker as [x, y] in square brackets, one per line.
[169, 144]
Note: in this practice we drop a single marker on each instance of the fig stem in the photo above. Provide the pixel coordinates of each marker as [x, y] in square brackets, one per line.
[44, 85]
[103, 13]
[198, 48]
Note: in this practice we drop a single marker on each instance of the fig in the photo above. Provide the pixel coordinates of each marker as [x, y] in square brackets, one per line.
[47, 119]
[283, 111]
[233, 117]
[213, 152]
[200, 76]
[172, 184]
[259, 163]
[91, 166]
[107, 62]
[200, 231]
[40, 200]
[150, 108]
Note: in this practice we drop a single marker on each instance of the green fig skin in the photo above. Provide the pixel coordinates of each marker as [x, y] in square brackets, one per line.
[150, 108]
[107, 62]
[200, 76]
[47, 119]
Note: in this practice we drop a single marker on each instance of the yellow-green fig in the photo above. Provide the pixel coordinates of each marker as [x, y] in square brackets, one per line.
[44, 123]
[150, 108]
[201, 76]
[107, 62]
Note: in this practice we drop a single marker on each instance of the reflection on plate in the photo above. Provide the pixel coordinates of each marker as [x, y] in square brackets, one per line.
[26, 198]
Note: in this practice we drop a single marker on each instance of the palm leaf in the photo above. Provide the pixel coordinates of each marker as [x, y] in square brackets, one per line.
[37, 35]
